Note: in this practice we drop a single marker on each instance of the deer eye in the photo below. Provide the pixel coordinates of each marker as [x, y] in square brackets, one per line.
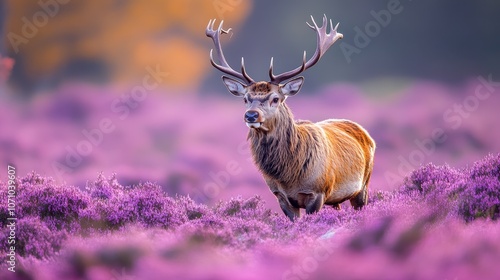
[276, 99]
[245, 100]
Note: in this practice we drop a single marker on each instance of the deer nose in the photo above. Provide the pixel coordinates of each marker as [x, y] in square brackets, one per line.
[251, 116]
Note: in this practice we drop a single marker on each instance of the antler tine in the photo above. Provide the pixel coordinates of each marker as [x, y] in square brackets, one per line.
[224, 66]
[325, 22]
[271, 75]
[324, 42]
[244, 72]
[208, 27]
[315, 27]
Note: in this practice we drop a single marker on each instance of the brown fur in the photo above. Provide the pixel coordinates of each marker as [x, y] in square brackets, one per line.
[309, 164]
[260, 88]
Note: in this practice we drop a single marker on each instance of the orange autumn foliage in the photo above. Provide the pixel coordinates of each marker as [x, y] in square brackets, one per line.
[124, 37]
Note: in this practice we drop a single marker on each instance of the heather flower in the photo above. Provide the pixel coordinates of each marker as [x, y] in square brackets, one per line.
[146, 204]
[431, 180]
[57, 206]
[103, 188]
[248, 232]
[489, 166]
[209, 229]
[192, 209]
[481, 192]
[34, 238]
[480, 199]
[246, 208]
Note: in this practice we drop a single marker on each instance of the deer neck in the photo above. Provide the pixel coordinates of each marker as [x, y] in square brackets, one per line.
[281, 127]
[273, 150]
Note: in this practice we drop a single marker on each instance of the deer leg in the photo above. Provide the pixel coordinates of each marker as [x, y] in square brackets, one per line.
[361, 199]
[337, 206]
[313, 202]
[290, 211]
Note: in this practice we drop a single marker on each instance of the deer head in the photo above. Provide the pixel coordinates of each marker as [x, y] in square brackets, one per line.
[264, 99]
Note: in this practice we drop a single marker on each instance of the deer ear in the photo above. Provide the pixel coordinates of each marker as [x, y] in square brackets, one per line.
[292, 87]
[235, 87]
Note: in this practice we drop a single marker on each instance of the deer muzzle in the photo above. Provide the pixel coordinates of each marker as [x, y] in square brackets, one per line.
[254, 118]
[251, 116]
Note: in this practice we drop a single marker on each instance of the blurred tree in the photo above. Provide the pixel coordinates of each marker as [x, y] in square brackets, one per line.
[2, 27]
[6, 63]
[113, 40]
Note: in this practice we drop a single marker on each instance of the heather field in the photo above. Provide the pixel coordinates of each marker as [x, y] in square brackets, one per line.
[442, 223]
[112, 188]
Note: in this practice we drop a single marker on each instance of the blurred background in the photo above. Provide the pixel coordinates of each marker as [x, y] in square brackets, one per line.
[74, 101]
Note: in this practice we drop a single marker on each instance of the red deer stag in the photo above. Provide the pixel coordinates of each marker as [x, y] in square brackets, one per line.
[305, 164]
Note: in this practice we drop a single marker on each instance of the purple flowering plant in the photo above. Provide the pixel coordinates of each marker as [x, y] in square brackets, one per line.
[140, 227]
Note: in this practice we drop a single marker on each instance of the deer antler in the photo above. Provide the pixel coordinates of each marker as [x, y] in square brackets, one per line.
[324, 42]
[224, 66]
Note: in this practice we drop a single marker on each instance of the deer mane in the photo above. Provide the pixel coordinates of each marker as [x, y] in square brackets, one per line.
[287, 139]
